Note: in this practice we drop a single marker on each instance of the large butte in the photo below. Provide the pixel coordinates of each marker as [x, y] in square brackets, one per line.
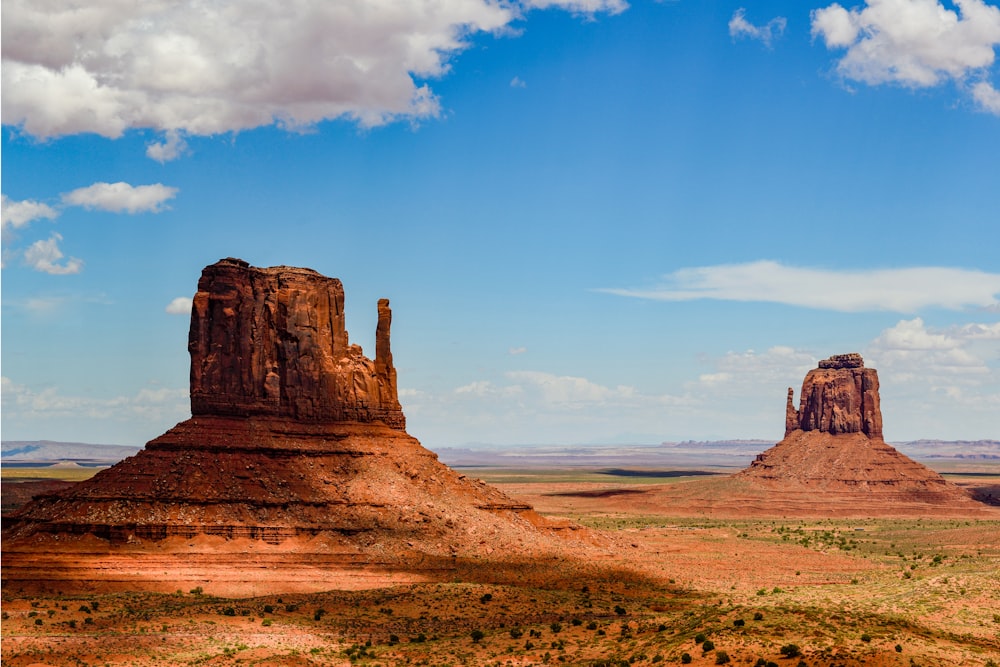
[295, 471]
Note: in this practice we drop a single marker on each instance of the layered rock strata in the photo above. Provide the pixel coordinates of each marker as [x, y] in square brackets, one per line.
[295, 436]
[833, 451]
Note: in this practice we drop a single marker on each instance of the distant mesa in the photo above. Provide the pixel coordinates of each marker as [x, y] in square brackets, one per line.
[296, 444]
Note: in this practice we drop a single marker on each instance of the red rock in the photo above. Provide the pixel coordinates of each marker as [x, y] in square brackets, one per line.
[272, 342]
[295, 436]
[833, 451]
[840, 396]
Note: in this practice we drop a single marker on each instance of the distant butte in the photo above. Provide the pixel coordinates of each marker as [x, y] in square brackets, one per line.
[295, 470]
[833, 452]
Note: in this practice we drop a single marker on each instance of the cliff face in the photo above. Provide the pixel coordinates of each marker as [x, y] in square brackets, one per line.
[272, 342]
[840, 396]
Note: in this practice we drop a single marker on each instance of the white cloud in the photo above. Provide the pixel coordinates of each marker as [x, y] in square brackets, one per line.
[987, 97]
[898, 290]
[44, 256]
[21, 402]
[740, 27]
[910, 350]
[203, 68]
[938, 382]
[588, 7]
[915, 43]
[179, 306]
[17, 214]
[172, 147]
[518, 82]
[514, 351]
[119, 197]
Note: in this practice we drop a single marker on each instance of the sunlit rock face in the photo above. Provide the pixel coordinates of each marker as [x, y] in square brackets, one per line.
[296, 443]
[840, 396]
[272, 342]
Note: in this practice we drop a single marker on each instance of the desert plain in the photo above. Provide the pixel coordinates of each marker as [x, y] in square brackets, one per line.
[664, 578]
[292, 520]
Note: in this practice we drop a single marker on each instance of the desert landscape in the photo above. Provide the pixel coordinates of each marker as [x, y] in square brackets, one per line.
[293, 521]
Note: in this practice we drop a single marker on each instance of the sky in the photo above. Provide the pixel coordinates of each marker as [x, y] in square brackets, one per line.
[597, 221]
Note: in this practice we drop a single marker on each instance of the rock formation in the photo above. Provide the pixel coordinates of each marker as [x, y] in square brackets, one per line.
[295, 436]
[833, 455]
[840, 396]
[272, 342]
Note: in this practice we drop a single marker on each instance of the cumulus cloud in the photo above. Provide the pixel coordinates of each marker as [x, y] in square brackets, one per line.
[122, 197]
[915, 43]
[987, 97]
[172, 147]
[179, 306]
[912, 350]
[202, 68]
[45, 256]
[518, 82]
[17, 214]
[939, 379]
[898, 290]
[767, 33]
[517, 350]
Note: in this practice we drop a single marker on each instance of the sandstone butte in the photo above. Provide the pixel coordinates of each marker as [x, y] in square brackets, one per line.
[833, 457]
[832, 463]
[294, 472]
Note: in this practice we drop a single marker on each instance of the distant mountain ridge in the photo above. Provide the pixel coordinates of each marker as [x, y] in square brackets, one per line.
[46, 452]
[722, 453]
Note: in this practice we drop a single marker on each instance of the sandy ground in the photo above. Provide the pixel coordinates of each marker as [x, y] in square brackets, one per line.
[653, 578]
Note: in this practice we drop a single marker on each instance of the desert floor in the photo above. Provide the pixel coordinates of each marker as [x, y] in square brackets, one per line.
[788, 590]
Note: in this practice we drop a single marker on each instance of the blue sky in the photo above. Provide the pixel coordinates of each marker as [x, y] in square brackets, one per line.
[597, 222]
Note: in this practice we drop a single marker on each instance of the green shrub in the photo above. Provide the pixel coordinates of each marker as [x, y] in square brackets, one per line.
[686, 658]
[516, 633]
[708, 645]
[700, 638]
[790, 650]
[477, 635]
[721, 657]
[266, 622]
[866, 637]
